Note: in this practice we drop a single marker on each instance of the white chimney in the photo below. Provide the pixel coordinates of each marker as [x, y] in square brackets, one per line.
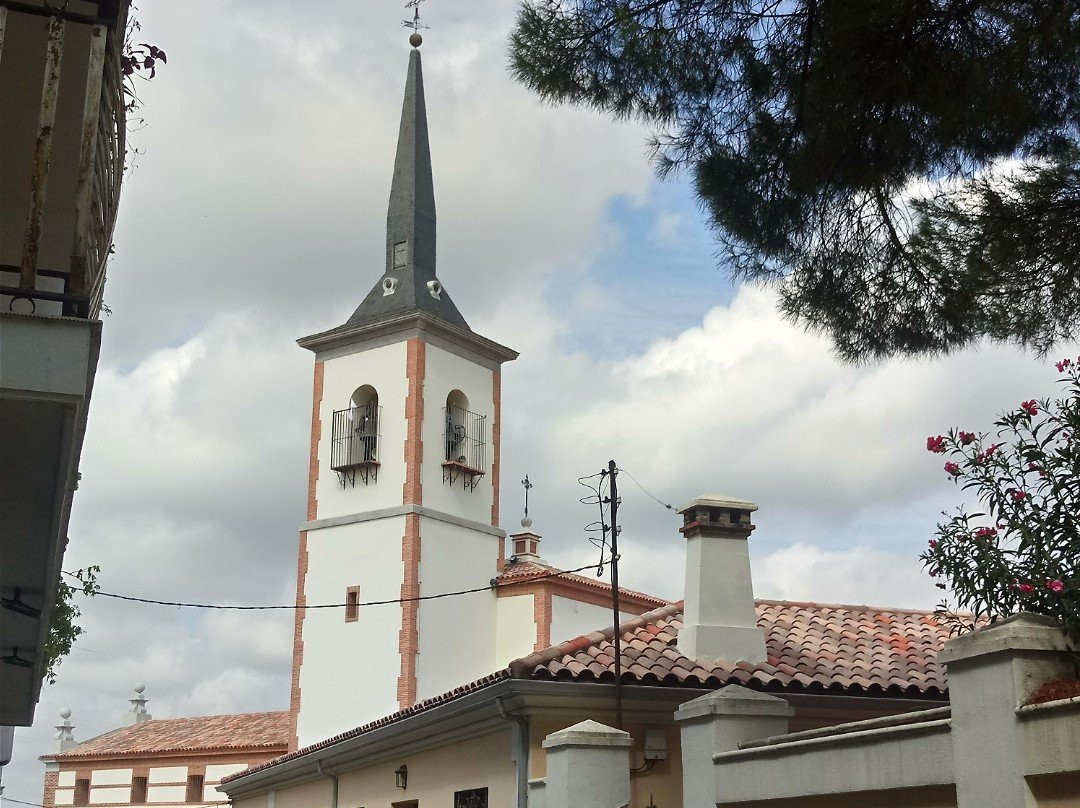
[137, 714]
[64, 737]
[719, 620]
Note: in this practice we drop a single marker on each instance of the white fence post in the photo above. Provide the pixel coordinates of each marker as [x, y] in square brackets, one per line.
[588, 766]
[719, 722]
[992, 671]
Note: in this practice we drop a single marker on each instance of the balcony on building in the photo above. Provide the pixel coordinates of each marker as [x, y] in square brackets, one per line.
[62, 119]
[354, 446]
[465, 443]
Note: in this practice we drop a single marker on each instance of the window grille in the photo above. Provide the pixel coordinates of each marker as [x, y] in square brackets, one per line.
[354, 446]
[138, 790]
[82, 792]
[194, 788]
[465, 446]
[472, 798]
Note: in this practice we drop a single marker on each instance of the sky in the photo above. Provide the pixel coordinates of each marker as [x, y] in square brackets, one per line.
[253, 213]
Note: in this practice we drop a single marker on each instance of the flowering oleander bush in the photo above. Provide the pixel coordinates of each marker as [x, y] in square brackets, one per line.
[1021, 552]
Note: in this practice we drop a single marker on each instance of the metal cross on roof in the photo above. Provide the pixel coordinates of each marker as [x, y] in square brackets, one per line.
[526, 485]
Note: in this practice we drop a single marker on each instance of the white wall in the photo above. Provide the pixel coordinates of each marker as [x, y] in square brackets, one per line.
[445, 372]
[457, 635]
[110, 794]
[110, 777]
[515, 628]
[167, 774]
[571, 618]
[349, 671]
[384, 368]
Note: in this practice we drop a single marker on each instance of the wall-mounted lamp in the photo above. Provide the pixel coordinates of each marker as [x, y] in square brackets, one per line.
[401, 776]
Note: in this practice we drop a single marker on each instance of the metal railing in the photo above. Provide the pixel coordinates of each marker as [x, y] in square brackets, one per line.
[465, 438]
[355, 437]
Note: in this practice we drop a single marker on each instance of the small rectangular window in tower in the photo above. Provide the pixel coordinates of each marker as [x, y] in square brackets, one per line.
[352, 604]
[399, 254]
[82, 792]
[138, 790]
[194, 788]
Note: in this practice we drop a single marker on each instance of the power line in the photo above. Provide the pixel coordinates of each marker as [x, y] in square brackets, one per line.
[187, 605]
[21, 802]
[645, 491]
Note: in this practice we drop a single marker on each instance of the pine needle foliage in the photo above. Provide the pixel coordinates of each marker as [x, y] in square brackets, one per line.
[905, 170]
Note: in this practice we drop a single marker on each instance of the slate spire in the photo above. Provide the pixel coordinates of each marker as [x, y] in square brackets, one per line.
[409, 283]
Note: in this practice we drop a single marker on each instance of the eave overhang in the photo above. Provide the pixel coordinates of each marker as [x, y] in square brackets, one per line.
[348, 338]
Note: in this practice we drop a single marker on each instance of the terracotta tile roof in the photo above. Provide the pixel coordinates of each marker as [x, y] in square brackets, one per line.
[393, 718]
[268, 731]
[816, 648]
[520, 572]
[811, 647]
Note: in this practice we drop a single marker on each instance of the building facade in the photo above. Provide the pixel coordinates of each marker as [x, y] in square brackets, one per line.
[61, 160]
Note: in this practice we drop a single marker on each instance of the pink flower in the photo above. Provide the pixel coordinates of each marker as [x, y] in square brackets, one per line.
[966, 437]
[933, 544]
[933, 572]
[1030, 407]
[1056, 585]
[1064, 363]
[1026, 588]
[985, 455]
[953, 469]
[1019, 495]
[985, 533]
[936, 444]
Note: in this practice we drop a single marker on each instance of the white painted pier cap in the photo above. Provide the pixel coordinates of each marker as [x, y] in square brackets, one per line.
[588, 766]
[719, 619]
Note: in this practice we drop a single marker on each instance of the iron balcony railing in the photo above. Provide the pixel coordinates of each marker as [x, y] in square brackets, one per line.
[465, 439]
[355, 437]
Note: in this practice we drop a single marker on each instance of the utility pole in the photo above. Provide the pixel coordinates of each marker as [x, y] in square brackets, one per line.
[613, 497]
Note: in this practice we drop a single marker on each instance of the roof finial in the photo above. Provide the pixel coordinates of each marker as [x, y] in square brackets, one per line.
[526, 522]
[137, 714]
[414, 38]
[64, 737]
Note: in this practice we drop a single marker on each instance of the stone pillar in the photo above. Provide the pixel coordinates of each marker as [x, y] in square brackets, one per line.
[719, 722]
[137, 714]
[64, 738]
[992, 671]
[588, 766]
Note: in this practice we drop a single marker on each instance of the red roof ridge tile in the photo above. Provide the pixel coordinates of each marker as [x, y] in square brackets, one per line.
[520, 571]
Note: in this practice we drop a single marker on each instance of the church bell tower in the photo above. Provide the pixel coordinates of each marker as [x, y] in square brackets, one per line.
[403, 485]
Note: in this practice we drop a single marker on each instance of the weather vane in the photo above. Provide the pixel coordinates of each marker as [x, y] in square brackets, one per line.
[414, 39]
[526, 485]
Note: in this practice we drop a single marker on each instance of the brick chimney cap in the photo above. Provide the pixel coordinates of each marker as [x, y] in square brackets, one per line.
[718, 501]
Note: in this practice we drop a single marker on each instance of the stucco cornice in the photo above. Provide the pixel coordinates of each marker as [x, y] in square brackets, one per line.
[403, 327]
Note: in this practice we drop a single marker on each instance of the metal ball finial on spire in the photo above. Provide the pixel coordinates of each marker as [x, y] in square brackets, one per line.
[414, 39]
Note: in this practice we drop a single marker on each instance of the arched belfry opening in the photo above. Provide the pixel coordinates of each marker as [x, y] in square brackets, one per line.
[465, 442]
[354, 452]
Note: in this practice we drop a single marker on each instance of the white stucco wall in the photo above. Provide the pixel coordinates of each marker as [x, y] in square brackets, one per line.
[102, 795]
[572, 618]
[64, 796]
[384, 368]
[109, 777]
[66, 778]
[166, 793]
[349, 670]
[457, 635]
[167, 774]
[515, 628]
[215, 773]
[444, 372]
